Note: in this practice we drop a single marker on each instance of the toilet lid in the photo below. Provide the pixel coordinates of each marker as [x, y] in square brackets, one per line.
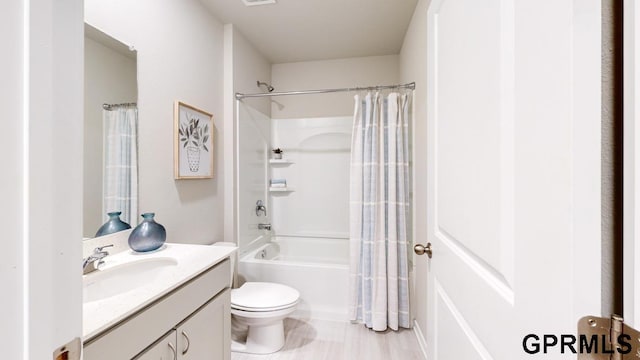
[263, 295]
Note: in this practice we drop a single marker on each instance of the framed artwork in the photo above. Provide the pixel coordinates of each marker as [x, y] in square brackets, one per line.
[193, 143]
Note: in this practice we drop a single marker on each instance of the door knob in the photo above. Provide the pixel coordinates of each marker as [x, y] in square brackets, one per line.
[420, 249]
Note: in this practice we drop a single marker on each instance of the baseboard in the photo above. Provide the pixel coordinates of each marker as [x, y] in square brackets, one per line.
[421, 340]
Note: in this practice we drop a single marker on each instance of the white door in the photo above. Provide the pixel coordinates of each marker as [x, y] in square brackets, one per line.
[513, 209]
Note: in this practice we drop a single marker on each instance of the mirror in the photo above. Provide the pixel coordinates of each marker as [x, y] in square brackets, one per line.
[110, 130]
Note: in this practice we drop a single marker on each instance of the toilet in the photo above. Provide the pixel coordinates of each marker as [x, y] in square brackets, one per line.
[261, 307]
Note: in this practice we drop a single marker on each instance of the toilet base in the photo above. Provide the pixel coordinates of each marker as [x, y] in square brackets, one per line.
[265, 339]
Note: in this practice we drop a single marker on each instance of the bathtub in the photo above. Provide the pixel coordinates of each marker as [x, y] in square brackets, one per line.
[316, 267]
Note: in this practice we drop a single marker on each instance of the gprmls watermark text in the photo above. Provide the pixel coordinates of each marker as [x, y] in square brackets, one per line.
[581, 344]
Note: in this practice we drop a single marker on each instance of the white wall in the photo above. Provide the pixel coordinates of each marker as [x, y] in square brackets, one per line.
[244, 65]
[352, 72]
[249, 66]
[413, 57]
[41, 93]
[109, 77]
[12, 266]
[320, 149]
[180, 57]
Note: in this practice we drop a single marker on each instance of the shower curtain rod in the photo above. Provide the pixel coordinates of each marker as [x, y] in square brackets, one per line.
[111, 106]
[412, 86]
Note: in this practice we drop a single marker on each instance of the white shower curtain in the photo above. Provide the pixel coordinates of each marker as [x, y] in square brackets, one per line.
[379, 206]
[120, 178]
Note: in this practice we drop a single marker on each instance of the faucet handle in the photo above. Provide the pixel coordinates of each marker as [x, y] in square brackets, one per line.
[101, 248]
[260, 208]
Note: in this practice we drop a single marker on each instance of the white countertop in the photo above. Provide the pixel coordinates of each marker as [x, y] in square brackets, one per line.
[192, 260]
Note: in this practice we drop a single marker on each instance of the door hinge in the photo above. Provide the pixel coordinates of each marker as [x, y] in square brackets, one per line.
[607, 339]
[69, 351]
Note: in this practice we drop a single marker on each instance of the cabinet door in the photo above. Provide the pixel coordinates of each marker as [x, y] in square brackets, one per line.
[206, 335]
[163, 349]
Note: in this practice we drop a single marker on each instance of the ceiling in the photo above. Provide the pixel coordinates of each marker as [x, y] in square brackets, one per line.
[304, 30]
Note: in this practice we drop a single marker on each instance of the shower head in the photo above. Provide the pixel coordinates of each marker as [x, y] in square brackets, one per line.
[269, 87]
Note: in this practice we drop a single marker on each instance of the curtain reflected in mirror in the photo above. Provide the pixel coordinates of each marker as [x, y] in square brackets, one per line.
[120, 173]
[110, 162]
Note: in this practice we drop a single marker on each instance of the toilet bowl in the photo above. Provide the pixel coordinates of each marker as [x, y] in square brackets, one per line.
[260, 307]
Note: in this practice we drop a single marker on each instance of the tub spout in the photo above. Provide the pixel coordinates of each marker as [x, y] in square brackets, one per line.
[264, 227]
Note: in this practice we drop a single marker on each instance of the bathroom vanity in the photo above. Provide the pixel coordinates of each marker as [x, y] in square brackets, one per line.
[171, 304]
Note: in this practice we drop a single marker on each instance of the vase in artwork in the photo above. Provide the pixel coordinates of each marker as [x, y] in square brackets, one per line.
[113, 225]
[193, 158]
[148, 235]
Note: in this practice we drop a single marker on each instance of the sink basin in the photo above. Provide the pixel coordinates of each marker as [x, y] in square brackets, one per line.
[122, 278]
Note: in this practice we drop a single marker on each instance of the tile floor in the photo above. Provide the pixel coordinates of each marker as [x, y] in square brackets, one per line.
[332, 340]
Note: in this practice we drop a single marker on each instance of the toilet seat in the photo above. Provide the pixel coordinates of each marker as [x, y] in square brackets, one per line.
[263, 297]
[263, 309]
[262, 315]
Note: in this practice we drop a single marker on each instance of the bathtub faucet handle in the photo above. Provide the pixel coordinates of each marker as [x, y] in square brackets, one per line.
[260, 208]
[264, 227]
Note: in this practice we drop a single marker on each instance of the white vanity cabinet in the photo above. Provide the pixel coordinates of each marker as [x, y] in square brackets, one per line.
[163, 349]
[194, 320]
[206, 335]
[203, 336]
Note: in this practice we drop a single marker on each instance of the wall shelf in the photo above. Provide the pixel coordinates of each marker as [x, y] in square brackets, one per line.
[281, 189]
[280, 162]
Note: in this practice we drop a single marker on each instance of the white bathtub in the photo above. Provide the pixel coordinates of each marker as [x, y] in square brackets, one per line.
[316, 267]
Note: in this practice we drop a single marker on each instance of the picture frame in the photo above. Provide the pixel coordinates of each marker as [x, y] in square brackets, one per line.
[193, 142]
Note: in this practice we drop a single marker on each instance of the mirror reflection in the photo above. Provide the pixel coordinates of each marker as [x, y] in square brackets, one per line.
[110, 131]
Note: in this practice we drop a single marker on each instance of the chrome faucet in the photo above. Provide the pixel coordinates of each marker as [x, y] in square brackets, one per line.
[264, 226]
[260, 208]
[93, 261]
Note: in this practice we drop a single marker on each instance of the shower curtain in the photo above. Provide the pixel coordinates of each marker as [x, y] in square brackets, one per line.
[120, 178]
[379, 206]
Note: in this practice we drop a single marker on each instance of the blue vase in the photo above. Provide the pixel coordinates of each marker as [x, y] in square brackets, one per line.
[148, 235]
[113, 225]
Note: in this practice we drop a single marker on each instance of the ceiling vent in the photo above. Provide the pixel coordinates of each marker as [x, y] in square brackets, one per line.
[258, 2]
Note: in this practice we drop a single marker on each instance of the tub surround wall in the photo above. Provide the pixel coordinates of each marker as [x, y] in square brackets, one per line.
[314, 251]
[174, 32]
[320, 150]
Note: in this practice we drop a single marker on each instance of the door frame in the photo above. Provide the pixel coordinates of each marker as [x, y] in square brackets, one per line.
[42, 212]
[631, 162]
